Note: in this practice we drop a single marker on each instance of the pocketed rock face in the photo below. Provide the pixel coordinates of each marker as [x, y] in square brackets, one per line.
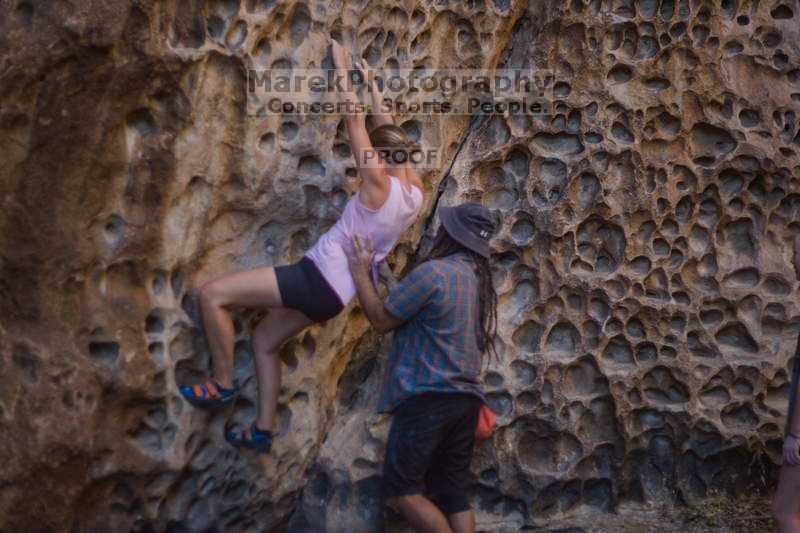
[648, 307]
[646, 298]
[131, 175]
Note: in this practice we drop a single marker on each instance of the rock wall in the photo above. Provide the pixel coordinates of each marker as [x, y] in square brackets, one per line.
[646, 294]
[647, 317]
[132, 174]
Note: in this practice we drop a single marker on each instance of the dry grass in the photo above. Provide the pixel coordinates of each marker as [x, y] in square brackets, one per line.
[716, 514]
[725, 514]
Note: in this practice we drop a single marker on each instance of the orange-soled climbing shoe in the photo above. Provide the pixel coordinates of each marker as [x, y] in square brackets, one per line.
[210, 394]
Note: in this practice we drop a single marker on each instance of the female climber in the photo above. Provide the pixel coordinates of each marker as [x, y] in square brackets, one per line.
[319, 286]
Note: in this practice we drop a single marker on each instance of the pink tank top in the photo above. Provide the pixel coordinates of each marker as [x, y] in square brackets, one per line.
[386, 225]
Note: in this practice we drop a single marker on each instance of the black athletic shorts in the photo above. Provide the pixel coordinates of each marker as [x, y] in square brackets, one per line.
[430, 449]
[303, 287]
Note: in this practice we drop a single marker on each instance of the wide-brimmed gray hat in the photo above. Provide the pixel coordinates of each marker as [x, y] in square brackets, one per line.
[469, 224]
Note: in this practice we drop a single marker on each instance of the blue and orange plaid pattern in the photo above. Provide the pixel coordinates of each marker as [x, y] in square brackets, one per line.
[437, 347]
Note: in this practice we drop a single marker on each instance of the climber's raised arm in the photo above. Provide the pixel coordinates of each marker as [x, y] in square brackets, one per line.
[381, 117]
[375, 183]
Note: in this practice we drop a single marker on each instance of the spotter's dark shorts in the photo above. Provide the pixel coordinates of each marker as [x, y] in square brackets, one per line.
[303, 287]
[430, 448]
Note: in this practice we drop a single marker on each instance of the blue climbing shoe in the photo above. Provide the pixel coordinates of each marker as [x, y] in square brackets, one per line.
[252, 439]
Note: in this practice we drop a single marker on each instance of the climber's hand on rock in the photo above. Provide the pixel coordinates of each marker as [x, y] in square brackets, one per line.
[791, 450]
[360, 255]
[339, 54]
[365, 70]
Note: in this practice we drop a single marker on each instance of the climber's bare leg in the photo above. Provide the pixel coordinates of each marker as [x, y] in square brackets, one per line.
[276, 327]
[257, 288]
[786, 503]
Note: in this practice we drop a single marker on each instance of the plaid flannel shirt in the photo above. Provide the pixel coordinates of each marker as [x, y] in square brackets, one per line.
[436, 349]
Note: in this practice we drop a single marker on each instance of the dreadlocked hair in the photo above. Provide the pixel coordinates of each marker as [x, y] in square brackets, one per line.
[444, 245]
